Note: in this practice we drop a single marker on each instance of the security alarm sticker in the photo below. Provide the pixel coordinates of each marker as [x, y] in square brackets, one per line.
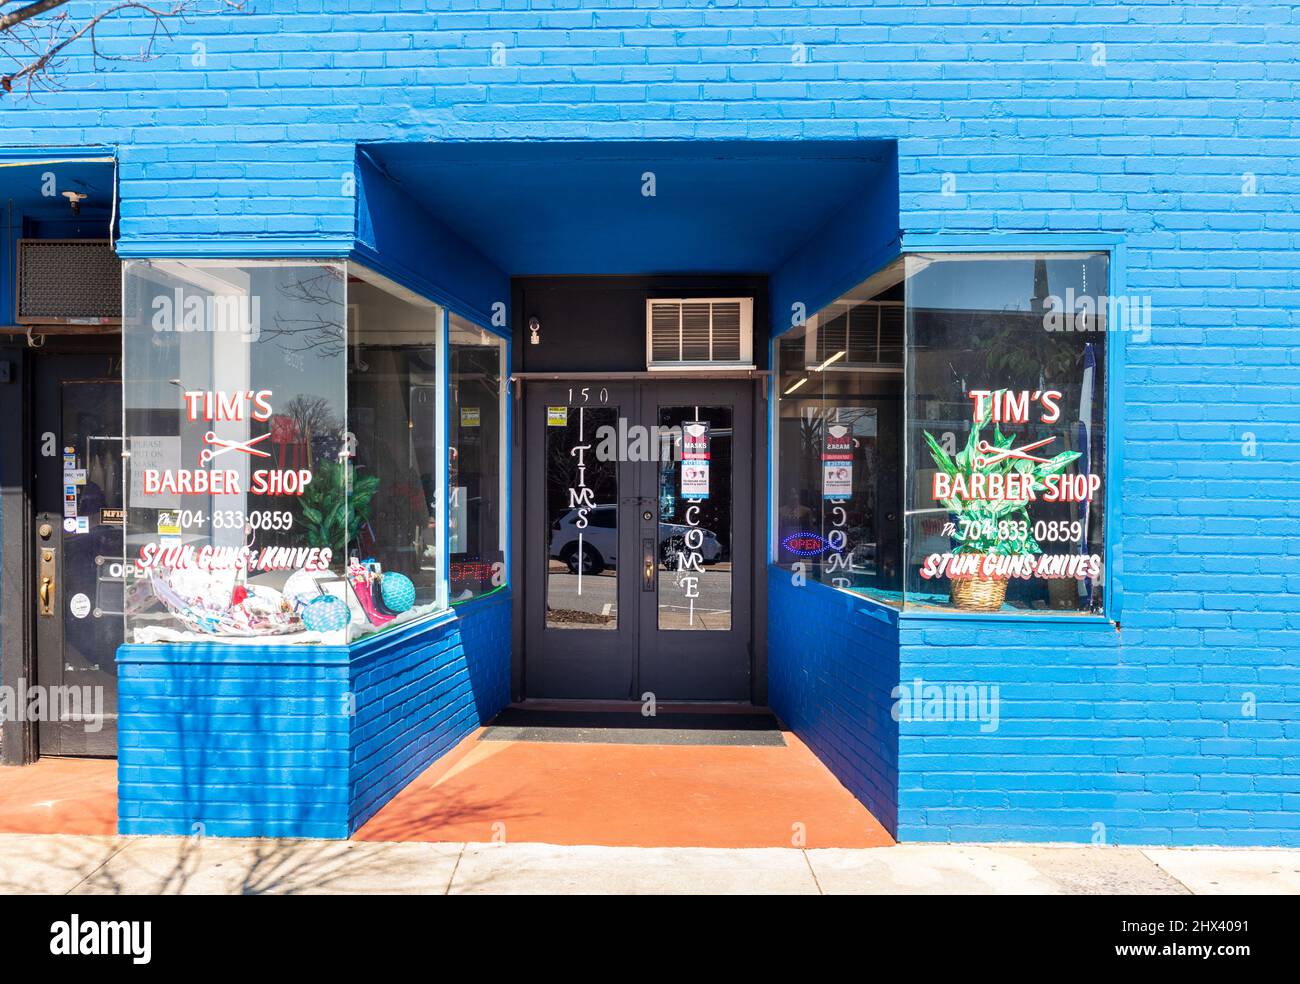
[469, 416]
[79, 605]
[557, 416]
[695, 459]
[837, 462]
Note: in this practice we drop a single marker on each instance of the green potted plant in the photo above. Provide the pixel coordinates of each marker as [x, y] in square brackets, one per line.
[984, 527]
[336, 505]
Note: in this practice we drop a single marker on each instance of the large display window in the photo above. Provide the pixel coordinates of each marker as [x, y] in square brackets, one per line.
[839, 424]
[476, 515]
[1006, 410]
[394, 459]
[941, 435]
[284, 443]
[234, 403]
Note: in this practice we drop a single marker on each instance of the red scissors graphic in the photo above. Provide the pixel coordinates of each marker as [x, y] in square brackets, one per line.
[990, 454]
[207, 454]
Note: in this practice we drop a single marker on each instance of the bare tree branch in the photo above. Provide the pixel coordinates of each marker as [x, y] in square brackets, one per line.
[35, 43]
[28, 12]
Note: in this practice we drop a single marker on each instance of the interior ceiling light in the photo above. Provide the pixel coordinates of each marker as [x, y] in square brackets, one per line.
[795, 386]
[834, 358]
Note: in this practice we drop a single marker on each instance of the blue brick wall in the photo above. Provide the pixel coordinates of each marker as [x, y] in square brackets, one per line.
[1169, 124]
[299, 741]
[832, 665]
[233, 741]
[417, 697]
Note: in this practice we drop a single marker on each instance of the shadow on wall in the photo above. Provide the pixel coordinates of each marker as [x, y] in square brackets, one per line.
[833, 662]
[277, 741]
[233, 741]
[417, 697]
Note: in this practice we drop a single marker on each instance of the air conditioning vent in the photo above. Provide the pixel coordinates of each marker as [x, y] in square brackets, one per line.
[700, 332]
[68, 282]
[856, 334]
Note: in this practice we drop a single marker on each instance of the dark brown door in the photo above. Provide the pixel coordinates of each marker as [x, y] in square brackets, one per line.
[639, 527]
[78, 555]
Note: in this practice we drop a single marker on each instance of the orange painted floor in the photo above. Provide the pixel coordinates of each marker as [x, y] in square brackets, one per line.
[628, 796]
[59, 796]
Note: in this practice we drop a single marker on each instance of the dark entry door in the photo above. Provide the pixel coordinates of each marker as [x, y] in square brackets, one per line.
[78, 556]
[639, 525]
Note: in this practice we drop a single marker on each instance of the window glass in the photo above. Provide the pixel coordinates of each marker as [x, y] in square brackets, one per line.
[394, 456]
[695, 534]
[1006, 394]
[582, 520]
[234, 410]
[476, 491]
[839, 427]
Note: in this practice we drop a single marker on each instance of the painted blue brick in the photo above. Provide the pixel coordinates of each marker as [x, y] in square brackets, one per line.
[832, 664]
[1040, 135]
[300, 741]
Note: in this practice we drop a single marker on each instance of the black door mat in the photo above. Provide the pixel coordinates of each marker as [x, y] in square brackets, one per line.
[631, 728]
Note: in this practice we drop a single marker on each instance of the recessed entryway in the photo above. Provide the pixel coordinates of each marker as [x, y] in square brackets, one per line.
[629, 795]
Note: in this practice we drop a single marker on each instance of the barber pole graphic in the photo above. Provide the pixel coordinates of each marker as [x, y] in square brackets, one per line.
[837, 462]
[695, 460]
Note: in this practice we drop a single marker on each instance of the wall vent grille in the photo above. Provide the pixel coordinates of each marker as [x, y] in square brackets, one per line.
[699, 332]
[68, 282]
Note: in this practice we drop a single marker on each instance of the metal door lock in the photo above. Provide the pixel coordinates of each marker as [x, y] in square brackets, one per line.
[45, 583]
[648, 558]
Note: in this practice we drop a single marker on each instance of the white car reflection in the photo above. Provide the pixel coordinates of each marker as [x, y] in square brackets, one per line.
[600, 541]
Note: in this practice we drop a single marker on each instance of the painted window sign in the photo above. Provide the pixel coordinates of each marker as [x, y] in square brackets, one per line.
[941, 431]
[581, 500]
[234, 394]
[284, 452]
[1005, 417]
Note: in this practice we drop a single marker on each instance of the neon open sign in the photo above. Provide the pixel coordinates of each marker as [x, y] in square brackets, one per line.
[804, 544]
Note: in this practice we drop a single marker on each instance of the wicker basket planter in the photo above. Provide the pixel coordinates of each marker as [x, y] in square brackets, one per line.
[979, 594]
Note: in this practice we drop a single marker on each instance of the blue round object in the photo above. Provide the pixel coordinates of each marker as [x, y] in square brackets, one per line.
[326, 614]
[398, 592]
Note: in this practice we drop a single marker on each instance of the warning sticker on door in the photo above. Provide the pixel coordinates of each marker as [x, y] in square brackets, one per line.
[837, 463]
[557, 416]
[695, 460]
[169, 523]
[79, 605]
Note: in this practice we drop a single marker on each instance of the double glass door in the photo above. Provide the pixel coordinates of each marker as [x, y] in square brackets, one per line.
[639, 539]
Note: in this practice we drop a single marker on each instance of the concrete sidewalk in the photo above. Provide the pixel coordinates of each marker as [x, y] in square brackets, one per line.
[65, 864]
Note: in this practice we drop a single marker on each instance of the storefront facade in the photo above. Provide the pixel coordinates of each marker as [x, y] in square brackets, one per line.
[923, 373]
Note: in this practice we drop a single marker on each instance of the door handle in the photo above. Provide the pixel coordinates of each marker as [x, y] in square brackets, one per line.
[45, 593]
[648, 562]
